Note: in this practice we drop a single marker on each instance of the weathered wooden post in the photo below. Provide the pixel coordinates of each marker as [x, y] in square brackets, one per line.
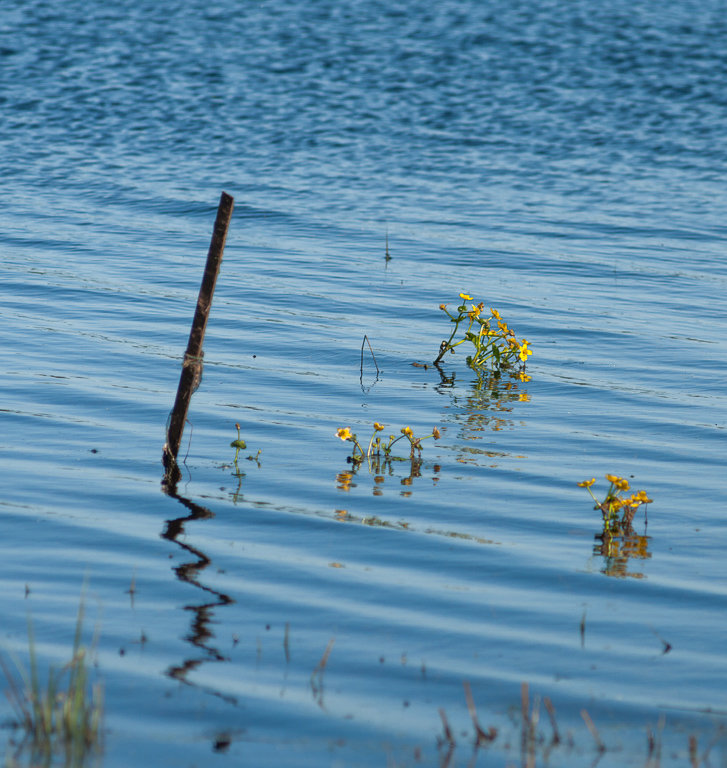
[192, 365]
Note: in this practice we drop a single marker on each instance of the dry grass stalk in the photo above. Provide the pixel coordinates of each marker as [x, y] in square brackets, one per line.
[551, 714]
[530, 718]
[693, 752]
[448, 735]
[593, 730]
[316, 678]
[482, 737]
[654, 742]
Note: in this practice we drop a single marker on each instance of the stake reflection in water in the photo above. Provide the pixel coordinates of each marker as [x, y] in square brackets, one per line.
[203, 614]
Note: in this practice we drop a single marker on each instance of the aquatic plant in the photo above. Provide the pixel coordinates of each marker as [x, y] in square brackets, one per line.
[377, 447]
[495, 345]
[66, 713]
[618, 510]
[239, 445]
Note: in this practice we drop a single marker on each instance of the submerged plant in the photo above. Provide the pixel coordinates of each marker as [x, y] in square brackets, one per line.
[65, 713]
[617, 509]
[495, 345]
[377, 447]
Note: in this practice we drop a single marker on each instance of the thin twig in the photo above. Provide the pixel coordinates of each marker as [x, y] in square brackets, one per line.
[366, 340]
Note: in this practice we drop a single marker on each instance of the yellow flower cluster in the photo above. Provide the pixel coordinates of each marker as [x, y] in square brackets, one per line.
[495, 345]
[614, 502]
[376, 447]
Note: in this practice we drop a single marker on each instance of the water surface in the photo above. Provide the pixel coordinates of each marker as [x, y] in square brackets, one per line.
[561, 162]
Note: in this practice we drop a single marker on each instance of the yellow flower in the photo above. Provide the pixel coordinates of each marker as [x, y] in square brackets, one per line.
[495, 313]
[474, 312]
[524, 351]
[587, 483]
[443, 306]
[378, 427]
[407, 431]
[619, 482]
[465, 297]
[436, 434]
[643, 498]
[523, 376]
[344, 433]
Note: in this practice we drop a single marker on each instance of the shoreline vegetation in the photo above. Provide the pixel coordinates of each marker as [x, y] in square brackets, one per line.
[62, 716]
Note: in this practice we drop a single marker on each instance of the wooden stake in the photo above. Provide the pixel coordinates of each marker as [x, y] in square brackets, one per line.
[192, 366]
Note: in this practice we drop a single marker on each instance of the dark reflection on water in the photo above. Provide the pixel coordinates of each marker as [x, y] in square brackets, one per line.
[201, 635]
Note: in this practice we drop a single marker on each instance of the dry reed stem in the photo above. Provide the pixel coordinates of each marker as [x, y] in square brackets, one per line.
[655, 744]
[525, 702]
[693, 752]
[551, 714]
[483, 737]
[320, 668]
[593, 730]
[448, 735]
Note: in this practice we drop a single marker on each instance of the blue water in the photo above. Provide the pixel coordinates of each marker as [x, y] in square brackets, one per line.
[561, 161]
